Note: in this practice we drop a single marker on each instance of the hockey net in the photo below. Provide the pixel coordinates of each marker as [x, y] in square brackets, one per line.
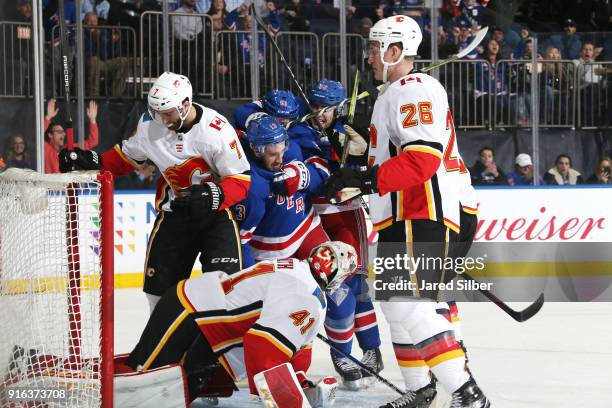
[56, 289]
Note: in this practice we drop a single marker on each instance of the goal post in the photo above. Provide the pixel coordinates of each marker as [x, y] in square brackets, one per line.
[56, 287]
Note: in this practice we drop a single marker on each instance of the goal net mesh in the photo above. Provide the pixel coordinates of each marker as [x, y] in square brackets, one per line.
[50, 280]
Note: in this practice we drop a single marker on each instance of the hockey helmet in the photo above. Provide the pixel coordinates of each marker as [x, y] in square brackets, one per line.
[168, 92]
[331, 263]
[326, 92]
[264, 131]
[396, 29]
[281, 104]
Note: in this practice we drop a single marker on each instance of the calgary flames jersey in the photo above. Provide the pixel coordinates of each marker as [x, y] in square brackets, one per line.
[412, 138]
[209, 151]
[272, 310]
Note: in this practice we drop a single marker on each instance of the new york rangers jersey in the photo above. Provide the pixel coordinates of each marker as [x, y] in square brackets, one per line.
[274, 226]
[259, 317]
[412, 138]
[209, 151]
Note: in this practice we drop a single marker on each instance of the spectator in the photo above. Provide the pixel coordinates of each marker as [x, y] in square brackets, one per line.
[485, 171]
[506, 49]
[215, 7]
[143, 178]
[569, 42]
[189, 42]
[473, 12]
[364, 27]
[16, 54]
[563, 174]
[296, 14]
[187, 28]
[492, 78]
[601, 172]
[523, 173]
[24, 7]
[594, 105]
[446, 46]
[55, 135]
[17, 153]
[102, 48]
[100, 7]
[556, 83]
[465, 38]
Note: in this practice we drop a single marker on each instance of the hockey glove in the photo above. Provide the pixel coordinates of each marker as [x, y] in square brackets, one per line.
[198, 199]
[357, 143]
[293, 177]
[363, 179]
[77, 159]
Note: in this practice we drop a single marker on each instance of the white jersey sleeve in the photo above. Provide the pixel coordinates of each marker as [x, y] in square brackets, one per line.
[133, 148]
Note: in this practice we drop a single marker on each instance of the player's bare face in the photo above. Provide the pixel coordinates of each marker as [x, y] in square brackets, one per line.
[374, 60]
[272, 157]
[325, 118]
[170, 118]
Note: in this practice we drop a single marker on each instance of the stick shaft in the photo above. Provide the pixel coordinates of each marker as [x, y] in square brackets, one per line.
[65, 72]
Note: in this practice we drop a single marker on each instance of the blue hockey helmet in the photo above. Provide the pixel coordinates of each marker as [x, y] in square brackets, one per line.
[326, 92]
[264, 131]
[281, 104]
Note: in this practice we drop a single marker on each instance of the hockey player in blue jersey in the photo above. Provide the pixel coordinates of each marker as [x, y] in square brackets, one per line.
[349, 311]
[277, 220]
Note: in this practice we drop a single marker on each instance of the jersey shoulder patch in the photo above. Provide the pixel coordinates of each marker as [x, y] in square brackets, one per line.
[318, 293]
[146, 117]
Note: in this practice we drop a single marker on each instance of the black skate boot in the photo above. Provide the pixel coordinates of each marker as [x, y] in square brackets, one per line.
[469, 395]
[421, 398]
[350, 373]
[373, 360]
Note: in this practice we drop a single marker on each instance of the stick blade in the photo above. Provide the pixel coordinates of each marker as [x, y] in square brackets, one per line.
[530, 310]
[480, 35]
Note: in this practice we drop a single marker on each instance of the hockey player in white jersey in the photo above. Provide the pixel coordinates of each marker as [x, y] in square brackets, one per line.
[269, 312]
[205, 172]
[413, 179]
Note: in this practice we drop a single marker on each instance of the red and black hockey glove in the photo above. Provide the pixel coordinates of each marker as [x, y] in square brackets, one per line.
[363, 178]
[293, 177]
[78, 159]
[198, 199]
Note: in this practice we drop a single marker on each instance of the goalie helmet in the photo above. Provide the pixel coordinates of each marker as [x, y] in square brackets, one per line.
[396, 29]
[331, 263]
[281, 104]
[264, 131]
[168, 92]
[327, 92]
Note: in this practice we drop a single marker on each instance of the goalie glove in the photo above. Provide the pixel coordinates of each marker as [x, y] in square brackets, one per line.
[357, 143]
[78, 159]
[363, 178]
[198, 198]
[293, 177]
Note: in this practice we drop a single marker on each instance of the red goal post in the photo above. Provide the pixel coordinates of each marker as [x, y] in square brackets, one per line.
[56, 287]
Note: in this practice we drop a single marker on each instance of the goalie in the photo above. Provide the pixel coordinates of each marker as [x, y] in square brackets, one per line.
[273, 310]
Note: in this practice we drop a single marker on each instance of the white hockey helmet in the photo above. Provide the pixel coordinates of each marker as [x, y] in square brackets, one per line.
[396, 29]
[331, 263]
[168, 92]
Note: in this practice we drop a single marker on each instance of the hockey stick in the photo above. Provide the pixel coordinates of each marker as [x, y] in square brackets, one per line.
[280, 54]
[360, 364]
[349, 119]
[518, 315]
[66, 74]
[475, 42]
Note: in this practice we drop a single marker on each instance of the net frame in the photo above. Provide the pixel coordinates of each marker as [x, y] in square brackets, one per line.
[33, 193]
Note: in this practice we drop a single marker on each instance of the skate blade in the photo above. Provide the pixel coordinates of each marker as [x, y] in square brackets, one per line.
[367, 382]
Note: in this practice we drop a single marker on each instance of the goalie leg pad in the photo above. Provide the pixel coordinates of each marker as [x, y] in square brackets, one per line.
[161, 387]
[279, 387]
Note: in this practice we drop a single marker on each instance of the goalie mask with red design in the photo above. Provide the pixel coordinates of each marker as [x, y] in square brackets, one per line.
[331, 263]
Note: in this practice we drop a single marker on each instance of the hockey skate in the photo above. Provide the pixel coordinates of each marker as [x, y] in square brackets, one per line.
[421, 398]
[469, 396]
[350, 373]
[373, 360]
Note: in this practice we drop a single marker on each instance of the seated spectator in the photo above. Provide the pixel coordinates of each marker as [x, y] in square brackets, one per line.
[215, 6]
[17, 154]
[485, 171]
[506, 49]
[296, 13]
[556, 83]
[563, 174]
[473, 12]
[100, 7]
[523, 173]
[465, 38]
[102, 48]
[188, 33]
[601, 173]
[447, 46]
[55, 135]
[591, 77]
[186, 28]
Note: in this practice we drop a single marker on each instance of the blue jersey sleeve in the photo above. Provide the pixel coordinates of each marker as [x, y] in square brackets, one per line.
[245, 113]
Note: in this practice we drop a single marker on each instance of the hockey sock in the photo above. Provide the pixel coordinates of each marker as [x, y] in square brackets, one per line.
[412, 366]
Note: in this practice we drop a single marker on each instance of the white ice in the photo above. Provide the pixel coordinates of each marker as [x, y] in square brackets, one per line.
[560, 358]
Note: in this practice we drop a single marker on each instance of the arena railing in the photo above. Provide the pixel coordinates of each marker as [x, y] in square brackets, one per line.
[330, 59]
[191, 50]
[594, 81]
[109, 61]
[16, 60]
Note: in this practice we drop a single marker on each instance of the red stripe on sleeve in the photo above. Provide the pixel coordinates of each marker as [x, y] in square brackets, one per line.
[115, 163]
[234, 190]
[406, 170]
